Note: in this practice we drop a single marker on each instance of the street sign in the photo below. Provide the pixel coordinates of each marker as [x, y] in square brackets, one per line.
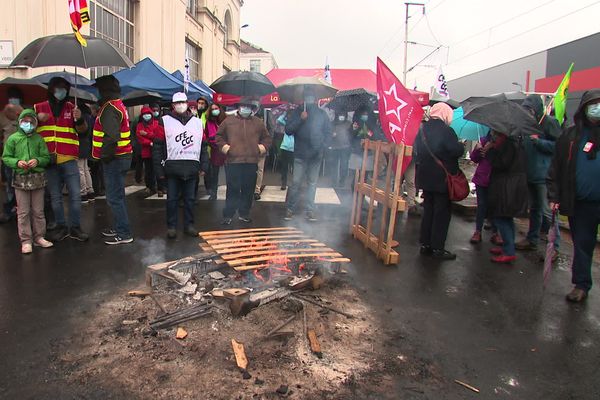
[7, 53]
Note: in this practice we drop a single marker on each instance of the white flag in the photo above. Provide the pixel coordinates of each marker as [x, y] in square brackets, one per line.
[441, 87]
[186, 76]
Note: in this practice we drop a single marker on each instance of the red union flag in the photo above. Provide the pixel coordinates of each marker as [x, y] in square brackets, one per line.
[79, 15]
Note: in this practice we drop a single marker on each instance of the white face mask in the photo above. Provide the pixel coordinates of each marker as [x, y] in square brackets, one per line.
[593, 112]
[245, 111]
[341, 118]
[180, 108]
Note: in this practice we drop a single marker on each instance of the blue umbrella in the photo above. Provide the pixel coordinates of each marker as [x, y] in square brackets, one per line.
[465, 129]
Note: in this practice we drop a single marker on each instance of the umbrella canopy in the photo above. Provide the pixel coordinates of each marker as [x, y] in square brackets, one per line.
[503, 116]
[56, 50]
[293, 89]
[139, 97]
[352, 100]
[243, 83]
[82, 95]
[68, 76]
[452, 103]
[465, 129]
[33, 91]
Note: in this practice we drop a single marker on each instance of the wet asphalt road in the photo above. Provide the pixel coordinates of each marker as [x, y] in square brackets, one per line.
[487, 325]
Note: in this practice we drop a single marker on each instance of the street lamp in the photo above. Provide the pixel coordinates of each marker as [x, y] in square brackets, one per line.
[519, 85]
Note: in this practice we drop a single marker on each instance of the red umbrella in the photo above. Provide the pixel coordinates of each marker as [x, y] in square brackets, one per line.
[271, 99]
[33, 91]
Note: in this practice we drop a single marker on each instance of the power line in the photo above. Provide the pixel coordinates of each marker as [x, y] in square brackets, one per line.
[523, 33]
[431, 31]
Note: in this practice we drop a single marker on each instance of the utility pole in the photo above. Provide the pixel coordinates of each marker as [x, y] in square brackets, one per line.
[406, 37]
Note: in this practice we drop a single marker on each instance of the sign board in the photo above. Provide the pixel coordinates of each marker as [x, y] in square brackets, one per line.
[6, 52]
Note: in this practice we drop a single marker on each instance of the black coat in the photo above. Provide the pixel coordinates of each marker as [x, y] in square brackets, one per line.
[444, 144]
[508, 195]
[311, 136]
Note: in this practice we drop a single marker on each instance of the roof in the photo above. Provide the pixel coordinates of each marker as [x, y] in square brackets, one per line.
[342, 79]
[247, 47]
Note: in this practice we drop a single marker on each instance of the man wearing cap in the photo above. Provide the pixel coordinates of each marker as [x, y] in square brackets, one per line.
[243, 138]
[111, 144]
[60, 122]
[187, 156]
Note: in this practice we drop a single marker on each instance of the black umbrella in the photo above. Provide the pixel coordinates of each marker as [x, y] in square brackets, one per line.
[82, 95]
[139, 97]
[67, 76]
[503, 116]
[452, 103]
[243, 83]
[352, 100]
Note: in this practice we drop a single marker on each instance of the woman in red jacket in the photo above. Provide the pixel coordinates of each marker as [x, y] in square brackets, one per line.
[145, 131]
[216, 115]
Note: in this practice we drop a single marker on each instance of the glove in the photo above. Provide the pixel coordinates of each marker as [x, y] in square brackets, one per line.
[225, 149]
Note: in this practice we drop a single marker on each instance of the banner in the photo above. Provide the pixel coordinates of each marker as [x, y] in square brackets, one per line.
[441, 87]
[399, 112]
[560, 98]
[79, 15]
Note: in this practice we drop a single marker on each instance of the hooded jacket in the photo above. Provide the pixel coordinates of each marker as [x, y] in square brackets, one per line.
[561, 180]
[539, 151]
[149, 128]
[24, 147]
[110, 118]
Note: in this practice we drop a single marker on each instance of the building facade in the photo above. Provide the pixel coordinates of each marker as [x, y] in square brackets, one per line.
[253, 58]
[207, 31]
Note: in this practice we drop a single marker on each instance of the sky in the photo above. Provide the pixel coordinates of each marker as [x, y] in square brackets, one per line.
[473, 34]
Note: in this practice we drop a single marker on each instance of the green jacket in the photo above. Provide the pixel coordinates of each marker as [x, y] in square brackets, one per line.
[22, 147]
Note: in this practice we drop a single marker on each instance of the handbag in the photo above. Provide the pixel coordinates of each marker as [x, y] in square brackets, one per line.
[287, 143]
[458, 186]
[32, 181]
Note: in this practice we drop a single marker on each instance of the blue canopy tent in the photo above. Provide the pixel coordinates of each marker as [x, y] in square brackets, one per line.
[199, 85]
[148, 75]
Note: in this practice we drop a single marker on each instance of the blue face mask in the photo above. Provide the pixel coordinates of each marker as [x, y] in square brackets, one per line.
[245, 111]
[26, 127]
[364, 118]
[156, 114]
[593, 112]
[60, 94]
[146, 117]
[215, 112]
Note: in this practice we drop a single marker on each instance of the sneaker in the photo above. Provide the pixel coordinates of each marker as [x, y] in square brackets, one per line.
[442, 254]
[283, 187]
[77, 234]
[84, 199]
[426, 250]
[191, 231]
[256, 196]
[503, 259]
[160, 193]
[289, 215]
[476, 238]
[310, 215]
[26, 248]
[525, 245]
[171, 233]
[576, 295]
[118, 240]
[496, 251]
[226, 221]
[245, 219]
[59, 233]
[496, 239]
[91, 196]
[109, 233]
[41, 242]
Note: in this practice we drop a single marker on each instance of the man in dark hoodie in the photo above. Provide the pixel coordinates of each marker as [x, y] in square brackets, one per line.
[60, 122]
[111, 144]
[187, 156]
[574, 188]
[311, 128]
[539, 150]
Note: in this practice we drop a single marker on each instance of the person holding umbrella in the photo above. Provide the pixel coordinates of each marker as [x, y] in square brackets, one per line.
[243, 138]
[574, 188]
[111, 144]
[60, 122]
[311, 129]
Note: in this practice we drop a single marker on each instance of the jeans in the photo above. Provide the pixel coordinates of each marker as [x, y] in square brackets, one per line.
[211, 179]
[178, 187]
[241, 180]
[506, 227]
[97, 177]
[482, 205]
[304, 169]
[286, 161]
[114, 182]
[10, 203]
[540, 214]
[436, 220]
[149, 178]
[584, 228]
[338, 165]
[66, 173]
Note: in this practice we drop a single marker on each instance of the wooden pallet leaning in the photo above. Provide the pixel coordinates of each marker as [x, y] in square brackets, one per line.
[388, 197]
[249, 249]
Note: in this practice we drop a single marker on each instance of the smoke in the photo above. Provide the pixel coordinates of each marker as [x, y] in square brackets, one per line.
[153, 250]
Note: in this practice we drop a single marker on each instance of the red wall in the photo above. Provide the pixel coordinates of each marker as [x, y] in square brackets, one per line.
[580, 81]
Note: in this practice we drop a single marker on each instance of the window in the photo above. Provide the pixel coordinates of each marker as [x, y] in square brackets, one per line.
[227, 26]
[255, 65]
[112, 20]
[194, 54]
[192, 6]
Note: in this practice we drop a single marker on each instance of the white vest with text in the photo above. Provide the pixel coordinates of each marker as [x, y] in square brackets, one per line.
[184, 142]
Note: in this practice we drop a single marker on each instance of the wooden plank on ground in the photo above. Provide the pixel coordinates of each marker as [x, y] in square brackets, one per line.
[228, 231]
[315, 346]
[288, 256]
[253, 239]
[251, 267]
[253, 234]
[220, 246]
[283, 252]
[240, 354]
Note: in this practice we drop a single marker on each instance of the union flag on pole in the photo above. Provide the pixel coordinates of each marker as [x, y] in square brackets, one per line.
[400, 114]
[79, 15]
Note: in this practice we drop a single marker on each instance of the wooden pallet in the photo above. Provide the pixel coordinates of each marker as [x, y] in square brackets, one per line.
[250, 249]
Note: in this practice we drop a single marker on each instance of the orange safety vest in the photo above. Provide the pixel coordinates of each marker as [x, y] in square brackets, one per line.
[59, 133]
[124, 143]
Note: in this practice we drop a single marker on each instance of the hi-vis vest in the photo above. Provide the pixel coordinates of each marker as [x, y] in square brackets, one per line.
[59, 133]
[184, 142]
[124, 143]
